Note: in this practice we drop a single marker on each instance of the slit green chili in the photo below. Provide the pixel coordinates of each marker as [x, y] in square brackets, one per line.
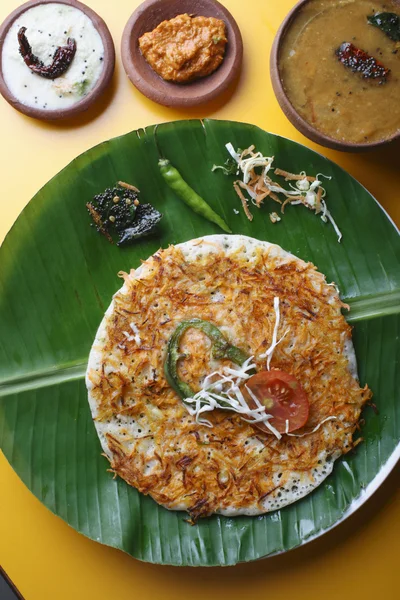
[175, 181]
[221, 348]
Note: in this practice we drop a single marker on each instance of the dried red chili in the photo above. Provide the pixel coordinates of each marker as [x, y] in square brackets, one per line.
[359, 61]
[62, 58]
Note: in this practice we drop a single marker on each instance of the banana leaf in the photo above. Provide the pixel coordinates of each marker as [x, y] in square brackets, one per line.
[57, 278]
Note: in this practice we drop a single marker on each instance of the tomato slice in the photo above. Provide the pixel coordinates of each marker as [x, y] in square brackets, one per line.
[283, 398]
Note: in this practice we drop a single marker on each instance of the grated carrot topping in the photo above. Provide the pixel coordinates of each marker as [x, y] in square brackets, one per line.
[292, 176]
[128, 186]
[243, 200]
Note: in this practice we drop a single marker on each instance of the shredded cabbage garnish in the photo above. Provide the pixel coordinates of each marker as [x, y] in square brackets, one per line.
[254, 168]
[221, 389]
[268, 354]
[135, 337]
[299, 435]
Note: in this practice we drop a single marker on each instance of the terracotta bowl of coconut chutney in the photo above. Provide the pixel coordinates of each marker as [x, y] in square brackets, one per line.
[336, 75]
[86, 75]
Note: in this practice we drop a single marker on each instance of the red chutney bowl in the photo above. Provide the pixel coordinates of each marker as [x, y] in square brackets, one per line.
[146, 18]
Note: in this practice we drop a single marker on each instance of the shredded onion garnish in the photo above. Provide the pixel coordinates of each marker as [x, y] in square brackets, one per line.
[221, 389]
[255, 181]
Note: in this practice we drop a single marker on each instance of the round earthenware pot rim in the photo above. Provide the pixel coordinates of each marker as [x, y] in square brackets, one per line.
[94, 94]
[200, 90]
[291, 113]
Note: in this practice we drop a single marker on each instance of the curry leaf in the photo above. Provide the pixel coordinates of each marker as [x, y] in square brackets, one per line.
[387, 22]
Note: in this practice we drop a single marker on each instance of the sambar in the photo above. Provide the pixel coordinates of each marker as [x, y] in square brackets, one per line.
[338, 101]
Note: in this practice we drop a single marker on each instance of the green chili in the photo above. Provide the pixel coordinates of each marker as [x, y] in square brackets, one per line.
[174, 179]
[221, 348]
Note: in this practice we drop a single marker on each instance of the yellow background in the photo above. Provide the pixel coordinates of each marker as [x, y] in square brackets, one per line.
[45, 557]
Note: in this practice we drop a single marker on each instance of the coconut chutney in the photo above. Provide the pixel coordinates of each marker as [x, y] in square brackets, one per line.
[48, 26]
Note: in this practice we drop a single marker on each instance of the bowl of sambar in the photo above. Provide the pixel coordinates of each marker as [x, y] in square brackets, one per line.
[335, 69]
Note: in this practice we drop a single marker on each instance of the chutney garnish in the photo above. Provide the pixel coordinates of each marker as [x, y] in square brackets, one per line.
[361, 62]
[62, 58]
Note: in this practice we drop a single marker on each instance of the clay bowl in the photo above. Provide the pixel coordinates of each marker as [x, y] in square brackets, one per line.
[87, 101]
[150, 14]
[301, 124]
